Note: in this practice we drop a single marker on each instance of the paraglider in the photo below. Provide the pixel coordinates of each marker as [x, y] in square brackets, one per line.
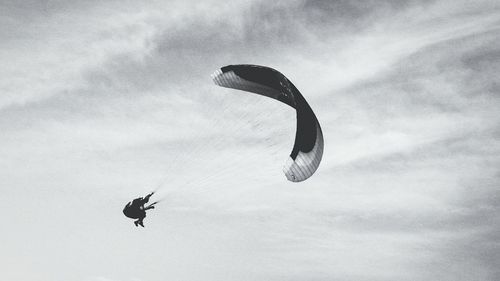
[137, 210]
[307, 151]
[308, 147]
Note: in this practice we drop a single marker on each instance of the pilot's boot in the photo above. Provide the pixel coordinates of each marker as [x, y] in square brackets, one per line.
[140, 223]
[136, 223]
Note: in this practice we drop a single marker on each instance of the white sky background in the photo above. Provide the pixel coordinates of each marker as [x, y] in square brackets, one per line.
[102, 101]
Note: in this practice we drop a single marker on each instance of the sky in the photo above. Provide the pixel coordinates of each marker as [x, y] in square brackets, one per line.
[104, 101]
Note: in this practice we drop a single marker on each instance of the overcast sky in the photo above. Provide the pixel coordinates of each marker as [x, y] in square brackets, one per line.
[104, 101]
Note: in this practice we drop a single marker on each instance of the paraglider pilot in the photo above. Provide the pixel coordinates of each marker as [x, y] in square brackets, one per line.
[137, 210]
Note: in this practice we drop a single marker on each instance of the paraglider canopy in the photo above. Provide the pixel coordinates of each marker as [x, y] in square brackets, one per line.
[307, 151]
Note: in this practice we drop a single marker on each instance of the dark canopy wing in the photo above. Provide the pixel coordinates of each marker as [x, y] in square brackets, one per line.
[308, 148]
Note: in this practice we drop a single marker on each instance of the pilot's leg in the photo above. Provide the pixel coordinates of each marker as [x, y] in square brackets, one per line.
[139, 221]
